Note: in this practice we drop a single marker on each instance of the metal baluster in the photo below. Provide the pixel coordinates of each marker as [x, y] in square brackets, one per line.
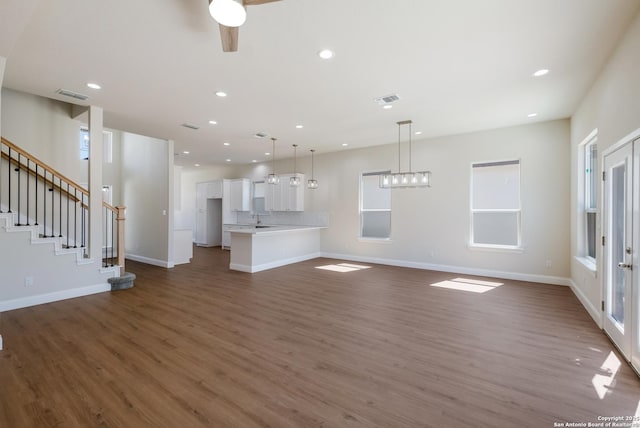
[28, 186]
[19, 193]
[75, 218]
[60, 207]
[36, 199]
[82, 233]
[106, 236]
[44, 202]
[53, 205]
[68, 195]
[9, 180]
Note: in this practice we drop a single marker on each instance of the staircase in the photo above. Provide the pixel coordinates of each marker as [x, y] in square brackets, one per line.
[44, 232]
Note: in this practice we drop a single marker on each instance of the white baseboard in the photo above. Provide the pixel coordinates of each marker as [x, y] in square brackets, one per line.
[595, 313]
[271, 265]
[544, 279]
[149, 261]
[23, 302]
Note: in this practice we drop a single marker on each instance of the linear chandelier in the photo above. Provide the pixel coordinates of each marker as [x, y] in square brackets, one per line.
[404, 180]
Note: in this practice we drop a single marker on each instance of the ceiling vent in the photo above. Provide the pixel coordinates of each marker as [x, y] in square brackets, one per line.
[260, 135]
[190, 125]
[71, 94]
[387, 99]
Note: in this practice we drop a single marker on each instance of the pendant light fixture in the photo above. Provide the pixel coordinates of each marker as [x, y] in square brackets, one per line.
[312, 183]
[403, 180]
[273, 177]
[230, 13]
[294, 181]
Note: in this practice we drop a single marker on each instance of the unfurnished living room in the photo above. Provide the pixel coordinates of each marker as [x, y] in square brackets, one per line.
[299, 213]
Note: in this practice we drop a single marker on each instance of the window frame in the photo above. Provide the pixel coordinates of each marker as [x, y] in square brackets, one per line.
[517, 247]
[362, 209]
[588, 199]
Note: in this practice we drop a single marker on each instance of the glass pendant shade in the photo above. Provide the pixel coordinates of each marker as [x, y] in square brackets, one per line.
[294, 180]
[312, 183]
[230, 13]
[273, 177]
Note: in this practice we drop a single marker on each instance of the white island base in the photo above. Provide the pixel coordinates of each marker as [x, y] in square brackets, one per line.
[255, 250]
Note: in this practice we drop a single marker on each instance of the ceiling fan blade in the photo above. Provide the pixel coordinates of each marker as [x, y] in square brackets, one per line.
[257, 2]
[229, 38]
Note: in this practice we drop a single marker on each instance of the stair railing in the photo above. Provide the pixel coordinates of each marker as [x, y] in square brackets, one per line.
[39, 195]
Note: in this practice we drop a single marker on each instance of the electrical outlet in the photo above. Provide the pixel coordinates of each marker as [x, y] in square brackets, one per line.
[548, 264]
[28, 281]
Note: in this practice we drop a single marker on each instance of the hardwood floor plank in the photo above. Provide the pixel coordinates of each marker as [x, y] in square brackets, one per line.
[200, 345]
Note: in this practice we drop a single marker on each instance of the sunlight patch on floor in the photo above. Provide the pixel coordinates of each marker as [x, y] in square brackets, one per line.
[467, 284]
[602, 382]
[343, 267]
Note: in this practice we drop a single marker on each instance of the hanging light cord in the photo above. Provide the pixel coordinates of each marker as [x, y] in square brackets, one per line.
[273, 157]
[312, 176]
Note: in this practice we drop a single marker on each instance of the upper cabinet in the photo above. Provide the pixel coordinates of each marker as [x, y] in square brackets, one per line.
[284, 197]
[239, 194]
[214, 189]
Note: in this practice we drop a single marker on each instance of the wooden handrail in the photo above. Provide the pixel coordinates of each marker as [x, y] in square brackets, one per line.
[43, 165]
[46, 180]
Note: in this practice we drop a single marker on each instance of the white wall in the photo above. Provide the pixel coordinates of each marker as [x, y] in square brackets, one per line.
[44, 128]
[612, 106]
[147, 182]
[430, 227]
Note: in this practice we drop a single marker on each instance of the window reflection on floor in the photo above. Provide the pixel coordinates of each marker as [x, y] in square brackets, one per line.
[467, 284]
[343, 267]
[602, 382]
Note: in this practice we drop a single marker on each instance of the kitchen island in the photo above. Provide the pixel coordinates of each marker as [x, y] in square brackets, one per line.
[266, 247]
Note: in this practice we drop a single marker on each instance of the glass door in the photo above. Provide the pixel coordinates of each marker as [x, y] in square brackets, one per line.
[618, 252]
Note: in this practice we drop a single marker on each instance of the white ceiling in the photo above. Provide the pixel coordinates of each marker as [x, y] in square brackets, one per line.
[458, 66]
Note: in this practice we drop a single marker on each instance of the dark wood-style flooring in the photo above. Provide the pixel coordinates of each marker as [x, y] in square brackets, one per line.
[199, 345]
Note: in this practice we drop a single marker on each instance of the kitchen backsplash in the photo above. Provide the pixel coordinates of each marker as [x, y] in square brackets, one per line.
[304, 218]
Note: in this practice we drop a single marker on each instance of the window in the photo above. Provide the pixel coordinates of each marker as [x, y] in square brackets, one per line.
[589, 180]
[495, 204]
[375, 207]
[107, 145]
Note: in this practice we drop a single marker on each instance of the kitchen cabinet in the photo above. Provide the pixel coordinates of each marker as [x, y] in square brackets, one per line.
[284, 197]
[239, 195]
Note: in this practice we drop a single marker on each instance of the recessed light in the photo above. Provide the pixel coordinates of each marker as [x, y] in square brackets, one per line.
[418, 132]
[387, 107]
[267, 154]
[325, 54]
[213, 122]
[185, 152]
[197, 164]
[226, 143]
[93, 85]
[345, 144]
[299, 126]
[228, 160]
[254, 161]
[532, 114]
[541, 72]
[221, 94]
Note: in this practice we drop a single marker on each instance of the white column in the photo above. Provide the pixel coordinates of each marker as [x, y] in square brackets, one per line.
[171, 205]
[95, 183]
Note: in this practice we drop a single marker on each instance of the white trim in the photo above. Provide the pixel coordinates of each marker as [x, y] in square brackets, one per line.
[589, 264]
[592, 310]
[496, 248]
[271, 265]
[23, 302]
[149, 261]
[517, 276]
[621, 142]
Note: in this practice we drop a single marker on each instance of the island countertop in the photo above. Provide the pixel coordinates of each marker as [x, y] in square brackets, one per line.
[261, 229]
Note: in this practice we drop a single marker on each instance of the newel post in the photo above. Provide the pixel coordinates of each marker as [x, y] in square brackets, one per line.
[120, 222]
